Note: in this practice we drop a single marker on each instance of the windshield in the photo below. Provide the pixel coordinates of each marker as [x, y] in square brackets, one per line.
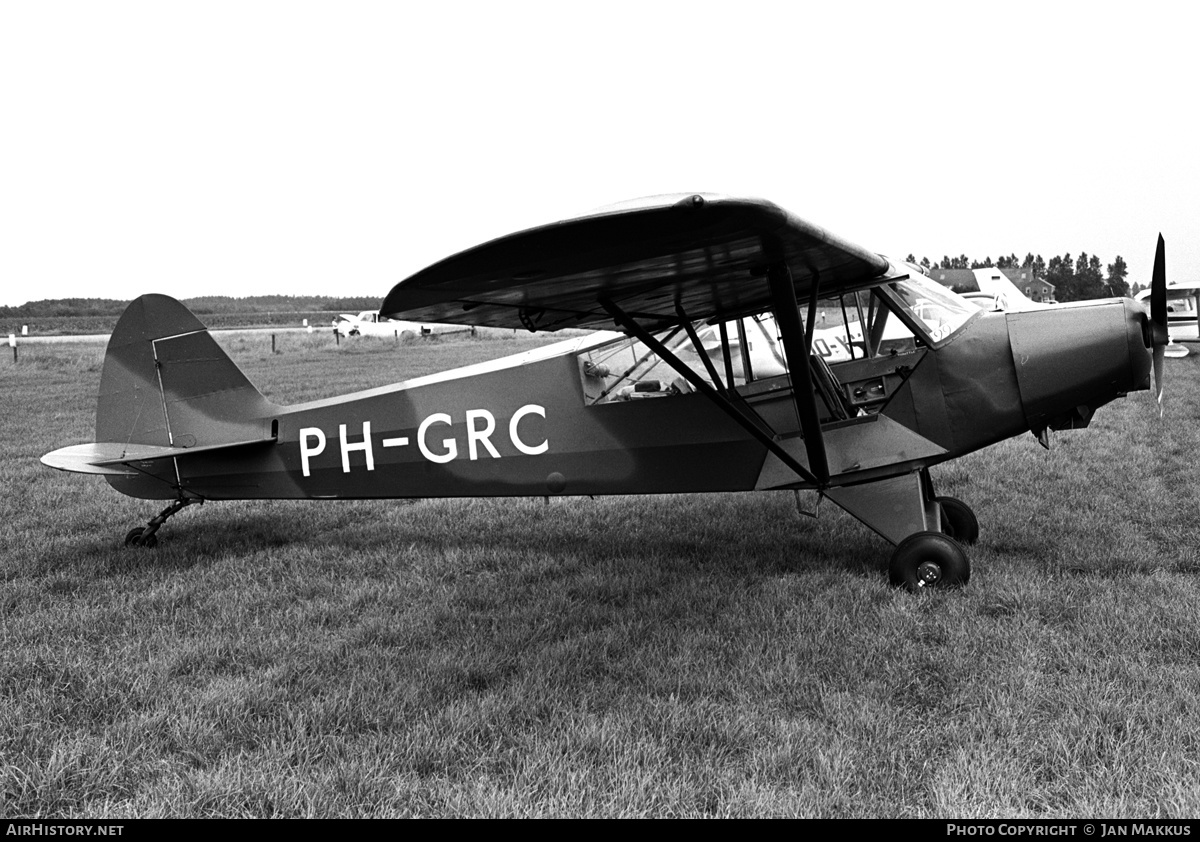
[940, 310]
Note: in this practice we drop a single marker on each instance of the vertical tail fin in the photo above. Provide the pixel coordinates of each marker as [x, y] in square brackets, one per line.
[167, 390]
[167, 382]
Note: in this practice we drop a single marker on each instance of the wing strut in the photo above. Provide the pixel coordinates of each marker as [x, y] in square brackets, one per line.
[812, 311]
[727, 358]
[747, 420]
[787, 317]
[699, 346]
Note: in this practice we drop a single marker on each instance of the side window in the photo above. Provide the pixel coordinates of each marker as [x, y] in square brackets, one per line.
[864, 327]
[626, 370]
[756, 347]
[847, 328]
[740, 351]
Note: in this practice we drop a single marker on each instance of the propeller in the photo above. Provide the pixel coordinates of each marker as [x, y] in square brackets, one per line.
[1158, 318]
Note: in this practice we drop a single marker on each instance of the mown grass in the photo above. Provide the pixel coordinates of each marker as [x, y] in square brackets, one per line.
[699, 655]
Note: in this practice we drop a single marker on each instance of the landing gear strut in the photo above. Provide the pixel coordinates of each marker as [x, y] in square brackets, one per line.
[958, 521]
[145, 536]
[936, 559]
[928, 531]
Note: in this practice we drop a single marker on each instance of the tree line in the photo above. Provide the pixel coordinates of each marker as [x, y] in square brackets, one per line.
[210, 305]
[1075, 279]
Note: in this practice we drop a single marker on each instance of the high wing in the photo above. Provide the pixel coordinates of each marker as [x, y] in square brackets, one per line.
[703, 255]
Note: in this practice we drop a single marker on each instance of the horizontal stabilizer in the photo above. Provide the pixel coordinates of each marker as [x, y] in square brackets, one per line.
[116, 459]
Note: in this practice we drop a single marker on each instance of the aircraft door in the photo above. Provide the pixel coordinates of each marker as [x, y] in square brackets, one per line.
[881, 349]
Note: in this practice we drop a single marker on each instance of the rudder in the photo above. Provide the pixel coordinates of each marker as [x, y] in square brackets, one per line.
[166, 382]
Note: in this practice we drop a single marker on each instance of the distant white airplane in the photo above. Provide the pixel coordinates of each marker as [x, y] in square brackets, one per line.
[997, 292]
[1183, 314]
[369, 323]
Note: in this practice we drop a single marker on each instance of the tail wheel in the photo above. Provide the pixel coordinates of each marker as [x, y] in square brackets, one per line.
[929, 560]
[138, 537]
[958, 521]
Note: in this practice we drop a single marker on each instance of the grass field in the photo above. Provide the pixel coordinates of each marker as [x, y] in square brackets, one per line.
[702, 655]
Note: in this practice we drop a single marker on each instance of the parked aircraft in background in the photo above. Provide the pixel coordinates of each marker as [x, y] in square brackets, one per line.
[997, 292]
[369, 323]
[764, 345]
[1183, 314]
[684, 399]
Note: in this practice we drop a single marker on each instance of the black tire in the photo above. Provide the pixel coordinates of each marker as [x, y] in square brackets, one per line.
[958, 520]
[137, 538]
[929, 560]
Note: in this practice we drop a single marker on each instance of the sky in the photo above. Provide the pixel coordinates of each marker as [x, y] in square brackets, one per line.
[334, 148]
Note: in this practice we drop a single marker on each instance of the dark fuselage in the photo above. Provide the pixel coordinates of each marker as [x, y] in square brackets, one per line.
[525, 427]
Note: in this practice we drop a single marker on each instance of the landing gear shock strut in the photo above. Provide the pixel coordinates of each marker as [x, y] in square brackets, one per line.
[145, 536]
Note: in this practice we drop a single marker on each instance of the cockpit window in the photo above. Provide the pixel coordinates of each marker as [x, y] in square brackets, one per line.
[940, 311]
[882, 322]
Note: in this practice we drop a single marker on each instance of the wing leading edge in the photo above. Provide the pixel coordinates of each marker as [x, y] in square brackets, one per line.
[706, 256]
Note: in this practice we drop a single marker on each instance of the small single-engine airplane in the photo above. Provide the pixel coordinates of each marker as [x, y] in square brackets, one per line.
[370, 323]
[680, 399]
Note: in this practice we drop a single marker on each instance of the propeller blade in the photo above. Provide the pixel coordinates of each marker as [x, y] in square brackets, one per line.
[1158, 294]
[1158, 318]
[1159, 354]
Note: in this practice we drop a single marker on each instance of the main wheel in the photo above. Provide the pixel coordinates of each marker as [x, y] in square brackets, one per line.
[929, 560]
[958, 521]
